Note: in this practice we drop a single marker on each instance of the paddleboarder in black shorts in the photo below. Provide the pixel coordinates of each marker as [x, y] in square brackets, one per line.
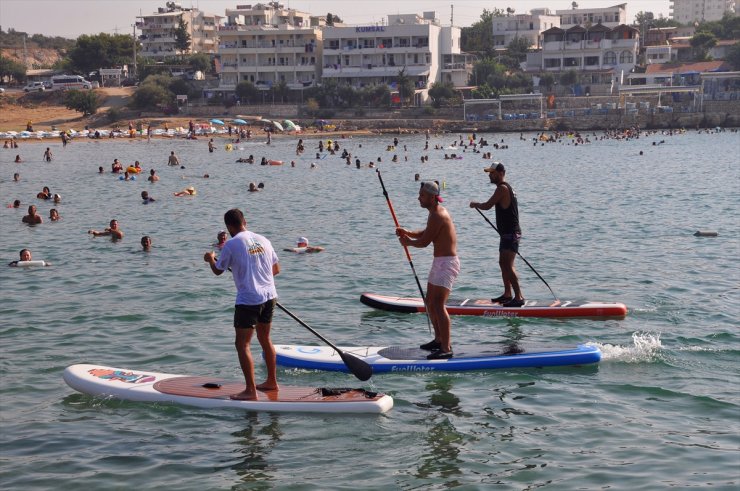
[253, 264]
[507, 221]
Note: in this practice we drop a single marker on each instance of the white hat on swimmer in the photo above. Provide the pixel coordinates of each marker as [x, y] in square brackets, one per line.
[301, 241]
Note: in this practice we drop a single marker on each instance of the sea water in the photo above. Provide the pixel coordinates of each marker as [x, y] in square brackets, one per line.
[600, 222]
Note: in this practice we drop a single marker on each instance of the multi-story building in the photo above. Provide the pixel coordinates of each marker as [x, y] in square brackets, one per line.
[374, 54]
[609, 16]
[690, 11]
[596, 48]
[267, 44]
[529, 26]
[158, 31]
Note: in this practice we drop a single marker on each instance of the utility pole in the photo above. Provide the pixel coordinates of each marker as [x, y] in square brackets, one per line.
[25, 53]
[134, 74]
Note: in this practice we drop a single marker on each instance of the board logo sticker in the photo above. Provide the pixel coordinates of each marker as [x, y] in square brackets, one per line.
[121, 376]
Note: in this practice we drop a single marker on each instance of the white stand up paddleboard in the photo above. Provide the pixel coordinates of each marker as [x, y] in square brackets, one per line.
[211, 392]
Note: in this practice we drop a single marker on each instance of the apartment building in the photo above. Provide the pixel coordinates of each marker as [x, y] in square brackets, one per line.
[267, 44]
[596, 49]
[610, 17]
[158, 31]
[529, 26]
[375, 53]
[690, 11]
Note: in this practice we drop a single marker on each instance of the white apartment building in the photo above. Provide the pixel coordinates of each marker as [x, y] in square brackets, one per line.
[608, 16]
[690, 11]
[530, 26]
[596, 49]
[158, 31]
[267, 44]
[374, 54]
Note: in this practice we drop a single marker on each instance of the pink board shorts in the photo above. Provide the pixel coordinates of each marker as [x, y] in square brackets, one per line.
[444, 271]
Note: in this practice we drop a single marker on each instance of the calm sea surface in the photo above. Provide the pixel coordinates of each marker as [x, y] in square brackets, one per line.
[600, 222]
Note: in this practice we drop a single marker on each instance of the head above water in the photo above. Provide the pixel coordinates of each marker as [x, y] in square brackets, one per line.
[25, 255]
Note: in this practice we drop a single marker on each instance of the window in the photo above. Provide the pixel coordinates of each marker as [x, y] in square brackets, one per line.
[610, 58]
[571, 62]
[625, 57]
[552, 63]
[591, 61]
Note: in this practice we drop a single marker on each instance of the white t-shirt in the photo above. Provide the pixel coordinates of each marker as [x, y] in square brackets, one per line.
[250, 257]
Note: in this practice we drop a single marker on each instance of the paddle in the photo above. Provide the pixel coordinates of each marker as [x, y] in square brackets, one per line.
[408, 255]
[359, 368]
[530, 266]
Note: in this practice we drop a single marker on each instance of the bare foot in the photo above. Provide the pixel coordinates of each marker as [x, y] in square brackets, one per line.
[244, 396]
[267, 386]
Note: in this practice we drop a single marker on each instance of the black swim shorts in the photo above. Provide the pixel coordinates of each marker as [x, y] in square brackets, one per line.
[247, 316]
[509, 242]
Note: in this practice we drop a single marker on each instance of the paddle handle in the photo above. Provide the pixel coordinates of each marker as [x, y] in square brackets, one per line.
[393, 213]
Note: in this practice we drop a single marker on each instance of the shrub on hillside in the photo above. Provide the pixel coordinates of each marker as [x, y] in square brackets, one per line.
[85, 101]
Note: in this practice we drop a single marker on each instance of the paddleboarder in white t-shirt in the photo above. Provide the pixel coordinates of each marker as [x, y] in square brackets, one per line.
[254, 264]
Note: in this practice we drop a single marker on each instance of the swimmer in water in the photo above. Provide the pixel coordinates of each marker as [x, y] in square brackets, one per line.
[24, 256]
[221, 239]
[146, 243]
[153, 177]
[188, 191]
[54, 215]
[301, 246]
[32, 218]
[113, 231]
[147, 199]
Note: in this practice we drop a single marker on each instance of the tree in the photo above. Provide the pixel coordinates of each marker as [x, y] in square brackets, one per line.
[726, 28]
[246, 91]
[332, 19]
[12, 69]
[92, 52]
[84, 101]
[479, 36]
[182, 37]
[702, 42]
[200, 62]
[569, 77]
[518, 48]
[154, 91]
[733, 56]
[547, 80]
[280, 90]
[405, 86]
[441, 93]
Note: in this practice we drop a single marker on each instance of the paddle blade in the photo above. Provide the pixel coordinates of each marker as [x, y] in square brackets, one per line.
[359, 368]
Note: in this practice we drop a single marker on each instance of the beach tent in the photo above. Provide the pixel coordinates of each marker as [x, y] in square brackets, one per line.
[240, 122]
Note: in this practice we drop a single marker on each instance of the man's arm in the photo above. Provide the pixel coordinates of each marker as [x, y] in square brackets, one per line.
[424, 237]
[495, 199]
[210, 258]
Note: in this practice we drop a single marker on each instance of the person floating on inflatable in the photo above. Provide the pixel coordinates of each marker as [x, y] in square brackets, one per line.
[26, 260]
[302, 247]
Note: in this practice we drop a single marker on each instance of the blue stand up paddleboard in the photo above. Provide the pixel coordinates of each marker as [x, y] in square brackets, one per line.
[209, 392]
[401, 359]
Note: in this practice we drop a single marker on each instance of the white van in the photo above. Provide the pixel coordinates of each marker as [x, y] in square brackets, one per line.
[65, 82]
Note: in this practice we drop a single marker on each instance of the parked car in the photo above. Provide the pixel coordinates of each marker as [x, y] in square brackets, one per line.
[34, 87]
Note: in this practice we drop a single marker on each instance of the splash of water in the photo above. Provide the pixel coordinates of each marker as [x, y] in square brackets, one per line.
[644, 348]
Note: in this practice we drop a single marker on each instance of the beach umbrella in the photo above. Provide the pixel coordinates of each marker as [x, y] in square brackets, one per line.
[289, 124]
[217, 121]
[239, 122]
[278, 125]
